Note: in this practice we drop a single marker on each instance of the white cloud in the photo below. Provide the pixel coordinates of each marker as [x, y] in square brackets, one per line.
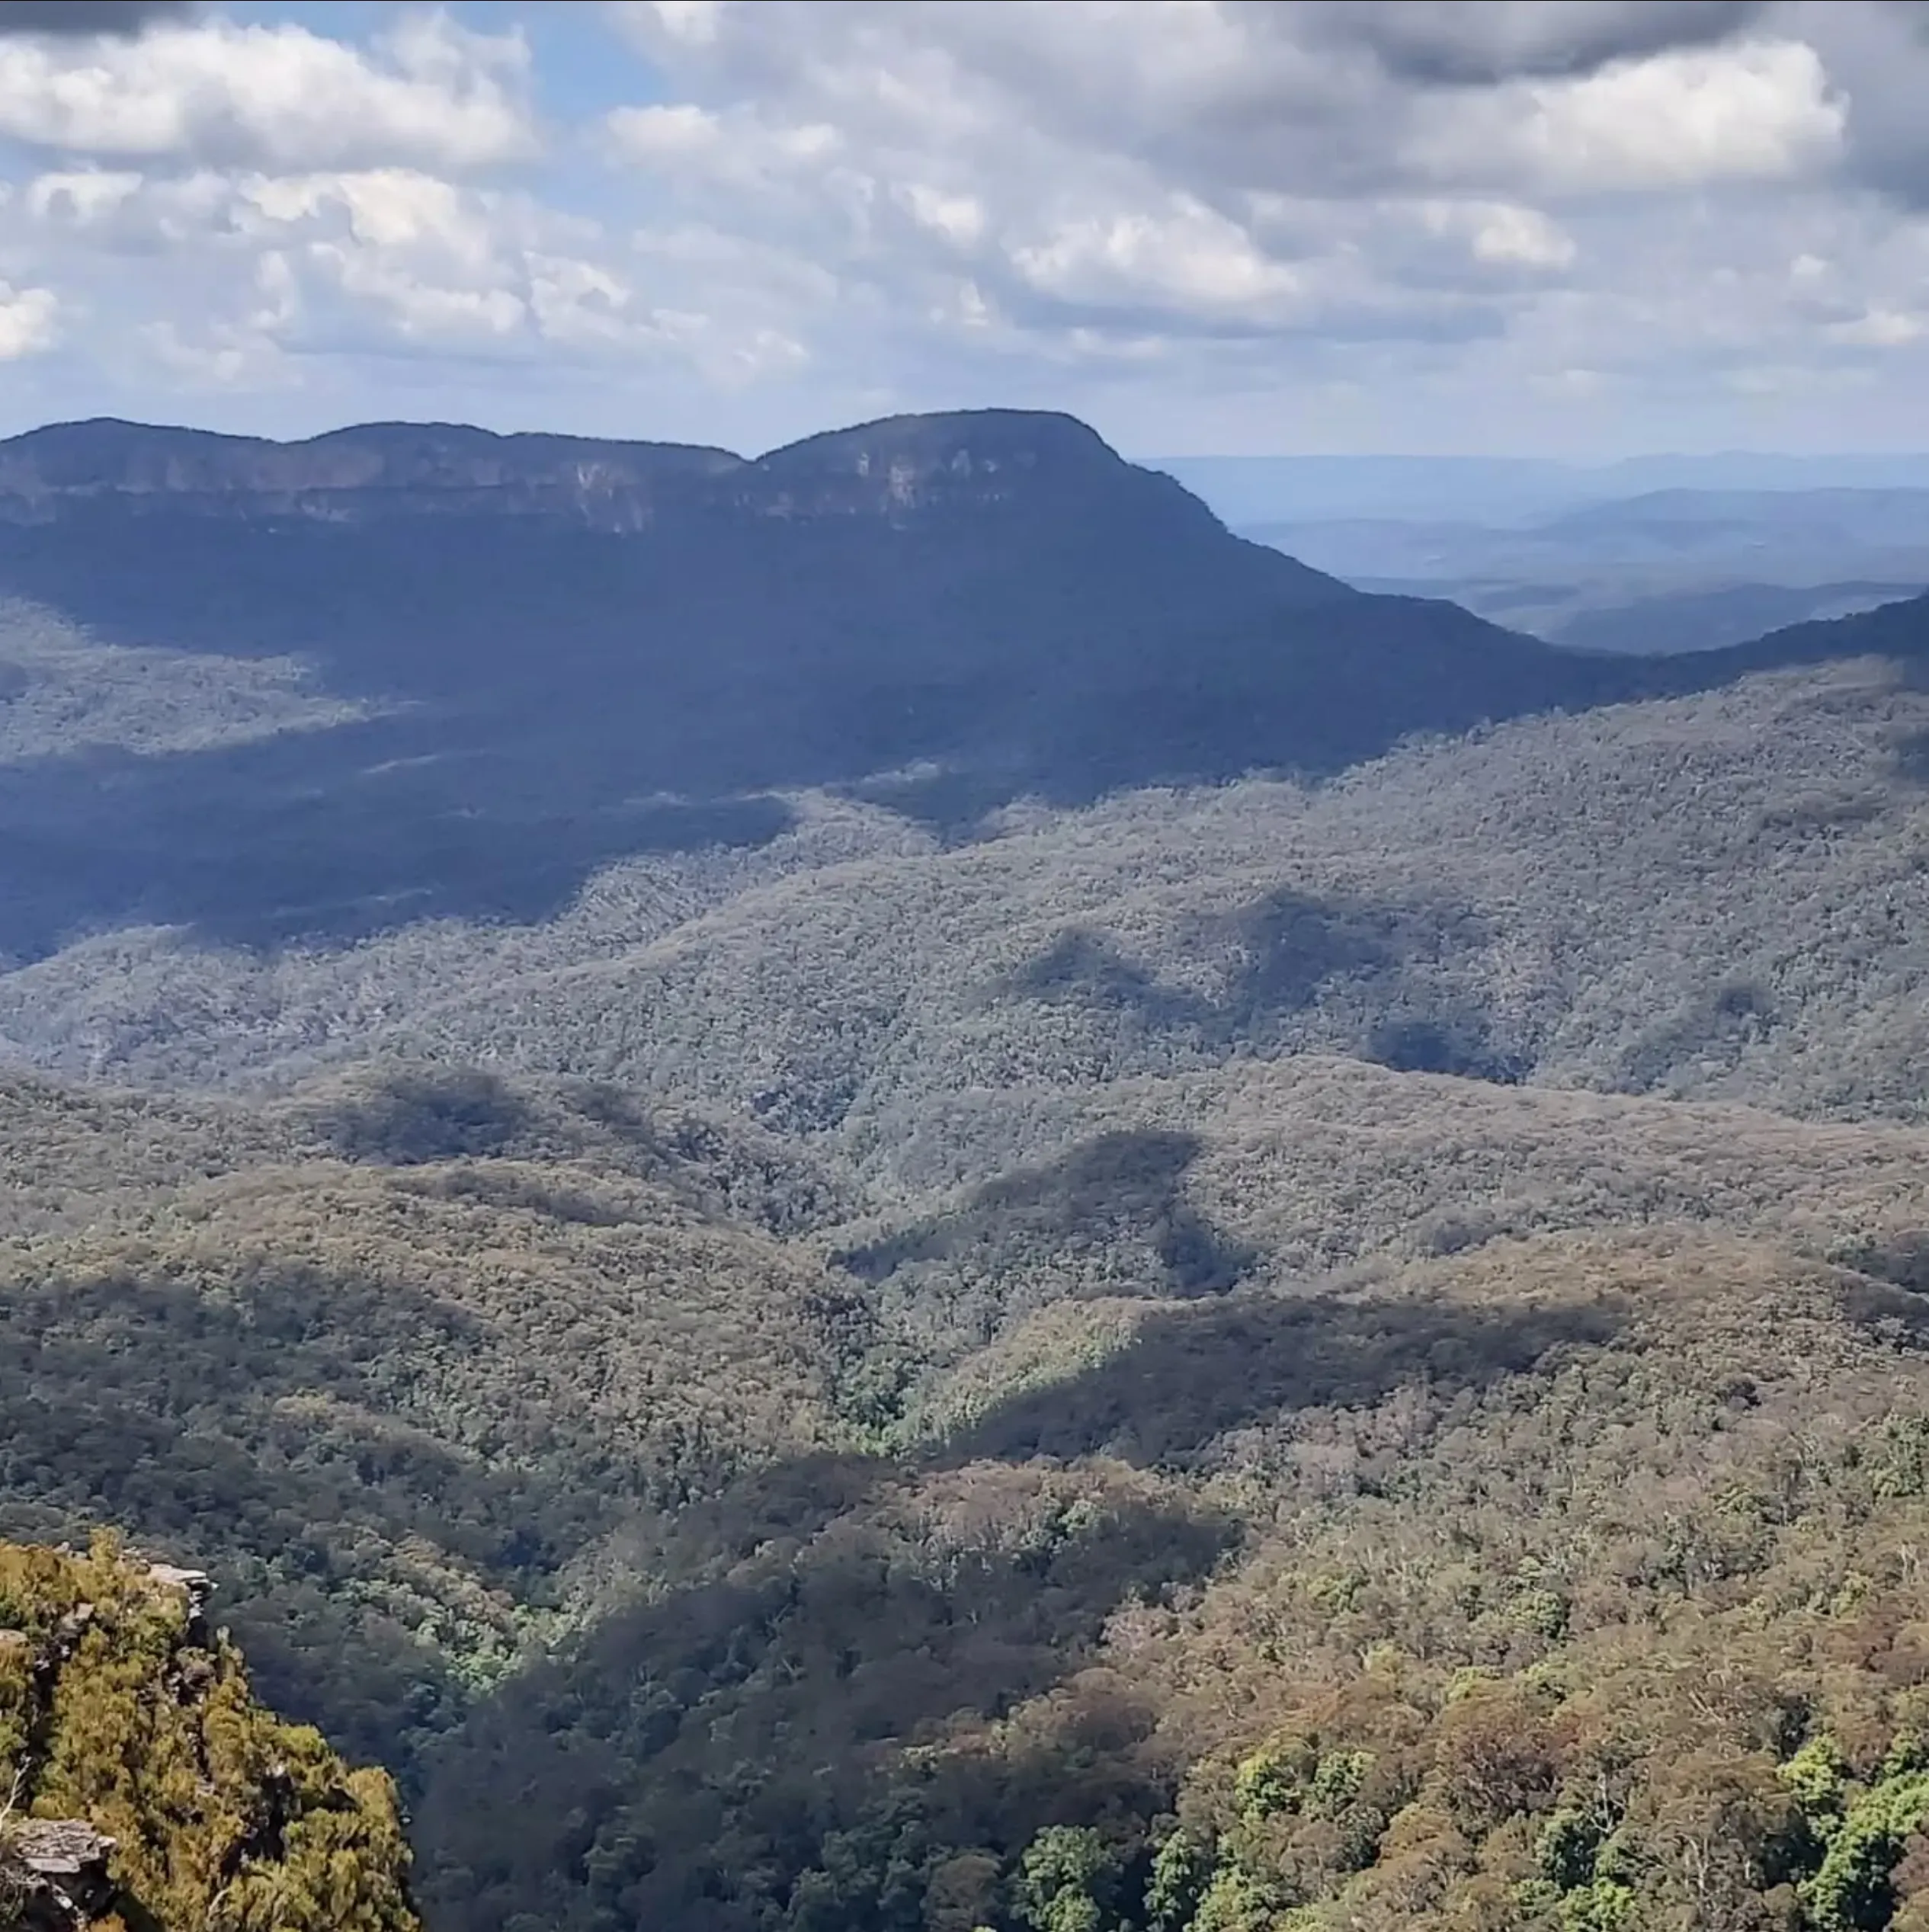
[29, 321]
[1759, 111]
[249, 278]
[1880, 329]
[1183, 258]
[216, 91]
[1191, 212]
[1582, 184]
[738, 147]
[692, 21]
[1522, 236]
[1496, 234]
[959, 220]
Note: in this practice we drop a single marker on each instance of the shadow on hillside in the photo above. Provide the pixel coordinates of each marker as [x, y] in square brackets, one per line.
[1888, 1289]
[1116, 1188]
[1899, 1259]
[1712, 1028]
[1290, 944]
[331, 835]
[1287, 948]
[1192, 1374]
[685, 1765]
[407, 1116]
[554, 682]
[698, 1758]
[1084, 968]
[113, 1389]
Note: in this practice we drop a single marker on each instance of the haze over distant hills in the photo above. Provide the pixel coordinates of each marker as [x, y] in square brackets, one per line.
[1654, 554]
[1246, 490]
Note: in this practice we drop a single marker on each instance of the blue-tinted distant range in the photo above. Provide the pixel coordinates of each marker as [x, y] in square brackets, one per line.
[1650, 553]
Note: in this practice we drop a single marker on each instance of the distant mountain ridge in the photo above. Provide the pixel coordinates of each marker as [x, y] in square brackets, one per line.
[537, 654]
[372, 469]
[893, 467]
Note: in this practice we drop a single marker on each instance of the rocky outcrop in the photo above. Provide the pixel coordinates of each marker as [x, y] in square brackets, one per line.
[54, 1875]
[370, 471]
[141, 1785]
[197, 1586]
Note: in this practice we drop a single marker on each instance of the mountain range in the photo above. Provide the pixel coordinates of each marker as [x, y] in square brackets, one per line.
[1679, 569]
[405, 671]
[888, 1190]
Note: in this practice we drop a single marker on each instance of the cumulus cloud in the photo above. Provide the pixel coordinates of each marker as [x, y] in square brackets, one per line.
[249, 276]
[1165, 165]
[213, 91]
[1462, 43]
[1592, 187]
[1198, 206]
[28, 320]
[1878, 56]
[1764, 111]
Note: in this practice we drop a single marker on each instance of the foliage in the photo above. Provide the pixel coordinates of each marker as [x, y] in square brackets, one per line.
[1008, 1420]
[119, 1709]
[1718, 897]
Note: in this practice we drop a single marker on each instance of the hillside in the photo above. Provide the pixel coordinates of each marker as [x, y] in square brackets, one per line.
[712, 1543]
[1719, 897]
[277, 694]
[527, 657]
[146, 1789]
[814, 1307]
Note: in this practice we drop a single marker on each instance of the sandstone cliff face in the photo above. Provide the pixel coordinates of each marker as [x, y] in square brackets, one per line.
[888, 470]
[375, 469]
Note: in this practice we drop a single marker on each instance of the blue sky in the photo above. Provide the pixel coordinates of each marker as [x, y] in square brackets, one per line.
[1573, 227]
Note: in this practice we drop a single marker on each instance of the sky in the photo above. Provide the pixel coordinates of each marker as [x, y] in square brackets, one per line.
[1576, 227]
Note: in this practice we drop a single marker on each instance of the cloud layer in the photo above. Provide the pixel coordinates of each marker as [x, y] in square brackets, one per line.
[1504, 224]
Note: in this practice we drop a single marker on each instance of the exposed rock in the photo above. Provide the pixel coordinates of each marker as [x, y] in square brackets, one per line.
[349, 475]
[196, 1585]
[61, 1848]
[142, 1787]
[53, 1874]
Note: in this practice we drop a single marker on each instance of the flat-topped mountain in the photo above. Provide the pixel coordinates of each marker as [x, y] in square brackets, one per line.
[397, 671]
[535, 654]
[799, 1354]
[900, 466]
[371, 470]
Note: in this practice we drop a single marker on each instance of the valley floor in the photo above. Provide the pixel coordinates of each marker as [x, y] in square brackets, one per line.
[1313, 1357]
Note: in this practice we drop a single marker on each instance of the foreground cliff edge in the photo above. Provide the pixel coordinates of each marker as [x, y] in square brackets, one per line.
[147, 1791]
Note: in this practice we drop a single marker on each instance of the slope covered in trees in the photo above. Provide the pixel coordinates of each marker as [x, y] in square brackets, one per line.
[527, 657]
[881, 1347]
[147, 1791]
[1159, 1530]
[1722, 896]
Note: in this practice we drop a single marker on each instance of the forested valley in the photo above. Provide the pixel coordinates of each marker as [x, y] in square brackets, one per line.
[1325, 1343]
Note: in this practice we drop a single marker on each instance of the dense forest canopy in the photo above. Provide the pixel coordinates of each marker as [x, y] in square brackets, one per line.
[861, 1319]
[707, 1541]
[281, 693]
